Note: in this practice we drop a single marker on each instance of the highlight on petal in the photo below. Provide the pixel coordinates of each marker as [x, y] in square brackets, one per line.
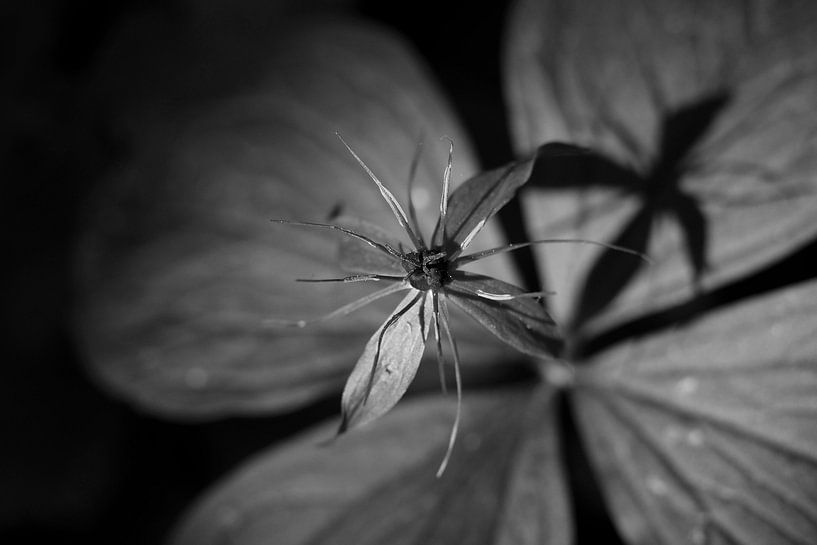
[708, 433]
[521, 322]
[702, 113]
[179, 265]
[505, 484]
[389, 362]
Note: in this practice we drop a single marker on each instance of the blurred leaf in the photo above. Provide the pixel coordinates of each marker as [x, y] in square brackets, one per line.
[708, 433]
[504, 483]
[389, 362]
[522, 323]
[708, 105]
[179, 264]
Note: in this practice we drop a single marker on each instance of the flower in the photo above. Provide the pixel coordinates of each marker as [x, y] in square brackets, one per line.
[701, 155]
[432, 274]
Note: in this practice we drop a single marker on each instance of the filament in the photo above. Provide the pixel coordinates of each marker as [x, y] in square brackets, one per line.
[511, 247]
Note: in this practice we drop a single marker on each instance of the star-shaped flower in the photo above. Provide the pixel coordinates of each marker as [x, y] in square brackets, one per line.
[691, 389]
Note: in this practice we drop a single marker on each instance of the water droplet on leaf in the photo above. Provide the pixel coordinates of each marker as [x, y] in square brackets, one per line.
[657, 486]
[686, 386]
[695, 437]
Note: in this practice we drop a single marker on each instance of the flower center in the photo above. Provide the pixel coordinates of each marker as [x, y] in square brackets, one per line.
[428, 269]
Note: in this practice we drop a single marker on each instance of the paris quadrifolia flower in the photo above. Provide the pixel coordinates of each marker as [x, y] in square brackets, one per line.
[432, 272]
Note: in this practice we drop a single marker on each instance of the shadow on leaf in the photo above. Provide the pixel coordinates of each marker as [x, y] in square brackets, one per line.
[563, 166]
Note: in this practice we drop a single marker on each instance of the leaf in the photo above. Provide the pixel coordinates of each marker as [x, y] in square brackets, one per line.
[178, 263]
[708, 433]
[504, 483]
[522, 323]
[706, 103]
[389, 362]
[476, 201]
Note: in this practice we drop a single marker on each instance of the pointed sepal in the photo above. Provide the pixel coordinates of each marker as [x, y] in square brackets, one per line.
[388, 363]
[477, 200]
[521, 322]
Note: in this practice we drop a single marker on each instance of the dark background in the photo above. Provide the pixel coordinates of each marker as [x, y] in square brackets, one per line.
[77, 466]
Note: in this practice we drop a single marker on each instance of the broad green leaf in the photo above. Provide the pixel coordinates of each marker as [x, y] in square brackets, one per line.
[703, 110]
[503, 486]
[523, 323]
[389, 362]
[179, 265]
[707, 433]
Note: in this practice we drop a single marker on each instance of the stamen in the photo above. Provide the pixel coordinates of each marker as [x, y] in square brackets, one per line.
[511, 247]
[458, 378]
[374, 244]
[512, 296]
[387, 196]
[342, 311]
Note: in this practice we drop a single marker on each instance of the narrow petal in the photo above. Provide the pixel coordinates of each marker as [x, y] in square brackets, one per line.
[389, 362]
[477, 200]
[520, 322]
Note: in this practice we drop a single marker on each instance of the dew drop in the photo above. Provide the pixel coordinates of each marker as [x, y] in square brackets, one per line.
[695, 437]
[727, 494]
[657, 486]
[196, 378]
[698, 534]
[686, 386]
